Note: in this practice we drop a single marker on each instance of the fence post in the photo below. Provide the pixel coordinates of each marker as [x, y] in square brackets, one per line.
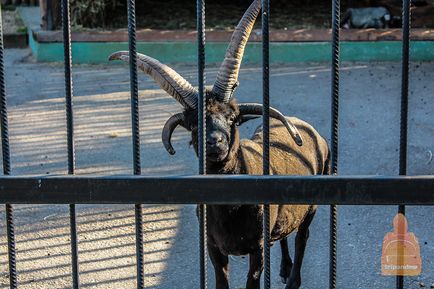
[66, 23]
[13, 283]
[201, 138]
[334, 136]
[138, 208]
[406, 26]
[266, 132]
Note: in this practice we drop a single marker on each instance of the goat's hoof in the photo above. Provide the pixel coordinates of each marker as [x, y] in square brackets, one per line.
[285, 273]
[293, 285]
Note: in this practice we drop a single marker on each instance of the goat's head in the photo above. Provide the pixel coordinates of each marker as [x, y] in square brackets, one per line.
[223, 114]
[222, 137]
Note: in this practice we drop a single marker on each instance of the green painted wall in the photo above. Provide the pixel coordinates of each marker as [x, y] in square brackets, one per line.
[98, 52]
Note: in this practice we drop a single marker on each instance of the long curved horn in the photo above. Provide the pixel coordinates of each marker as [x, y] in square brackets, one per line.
[245, 118]
[168, 79]
[256, 109]
[169, 127]
[227, 76]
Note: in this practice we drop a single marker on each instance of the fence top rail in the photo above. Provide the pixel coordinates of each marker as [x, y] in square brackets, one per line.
[218, 189]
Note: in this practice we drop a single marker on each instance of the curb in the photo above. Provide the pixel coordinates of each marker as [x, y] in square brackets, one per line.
[280, 52]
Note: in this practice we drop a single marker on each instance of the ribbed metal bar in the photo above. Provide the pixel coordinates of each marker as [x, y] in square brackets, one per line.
[404, 86]
[74, 247]
[66, 24]
[266, 131]
[138, 213]
[68, 85]
[336, 10]
[406, 26]
[404, 89]
[138, 210]
[13, 283]
[10, 228]
[202, 137]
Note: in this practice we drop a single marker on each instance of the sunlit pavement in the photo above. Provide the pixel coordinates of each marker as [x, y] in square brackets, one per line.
[369, 144]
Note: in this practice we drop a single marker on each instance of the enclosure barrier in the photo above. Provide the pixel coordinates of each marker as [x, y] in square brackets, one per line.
[201, 124]
[321, 190]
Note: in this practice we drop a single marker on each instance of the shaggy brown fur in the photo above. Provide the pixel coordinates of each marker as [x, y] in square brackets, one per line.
[286, 158]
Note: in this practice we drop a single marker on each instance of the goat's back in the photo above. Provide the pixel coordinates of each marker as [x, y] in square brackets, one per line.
[287, 158]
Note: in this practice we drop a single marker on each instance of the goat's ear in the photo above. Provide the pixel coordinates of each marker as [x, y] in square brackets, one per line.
[188, 125]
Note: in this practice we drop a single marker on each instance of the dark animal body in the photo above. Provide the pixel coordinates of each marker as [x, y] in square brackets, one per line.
[237, 230]
[228, 231]
[296, 148]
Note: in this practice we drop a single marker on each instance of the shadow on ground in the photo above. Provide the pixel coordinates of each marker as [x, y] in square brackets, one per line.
[369, 145]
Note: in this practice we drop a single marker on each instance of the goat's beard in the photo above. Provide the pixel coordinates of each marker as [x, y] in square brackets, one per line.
[213, 156]
[229, 163]
[226, 162]
[218, 157]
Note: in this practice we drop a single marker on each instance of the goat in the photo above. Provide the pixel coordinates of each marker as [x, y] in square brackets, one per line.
[296, 148]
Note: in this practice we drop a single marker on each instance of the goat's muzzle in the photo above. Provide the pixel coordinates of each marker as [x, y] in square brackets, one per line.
[217, 146]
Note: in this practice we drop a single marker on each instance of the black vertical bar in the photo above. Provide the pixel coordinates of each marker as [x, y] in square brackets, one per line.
[7, 166]
[70, 134]
[335, 136]
[68, 85]
[74, 247]
[404, 90]
[266, 131]
[201, 138]
[406, 17]
[138, 209]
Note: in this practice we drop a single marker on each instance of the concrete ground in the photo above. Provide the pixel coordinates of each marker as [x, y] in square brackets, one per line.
[369, 141]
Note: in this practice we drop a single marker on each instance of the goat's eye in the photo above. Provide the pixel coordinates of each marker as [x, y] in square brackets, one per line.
[231, 119]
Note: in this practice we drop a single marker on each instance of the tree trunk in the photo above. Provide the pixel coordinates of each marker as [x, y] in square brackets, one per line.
[44, 14]
[50, 14]
[55, 10]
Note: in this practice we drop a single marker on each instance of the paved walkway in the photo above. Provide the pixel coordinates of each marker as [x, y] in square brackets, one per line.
[369, 145]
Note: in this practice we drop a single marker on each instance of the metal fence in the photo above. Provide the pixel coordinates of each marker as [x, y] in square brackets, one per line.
[330, 190]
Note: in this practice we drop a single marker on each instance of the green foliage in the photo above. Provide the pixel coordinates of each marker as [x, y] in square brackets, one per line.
[94, 13]
[22, 30]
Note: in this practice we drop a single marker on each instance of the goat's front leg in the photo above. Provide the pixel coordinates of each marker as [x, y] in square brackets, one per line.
[255, 270]
[220, 263]
[294, 281]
